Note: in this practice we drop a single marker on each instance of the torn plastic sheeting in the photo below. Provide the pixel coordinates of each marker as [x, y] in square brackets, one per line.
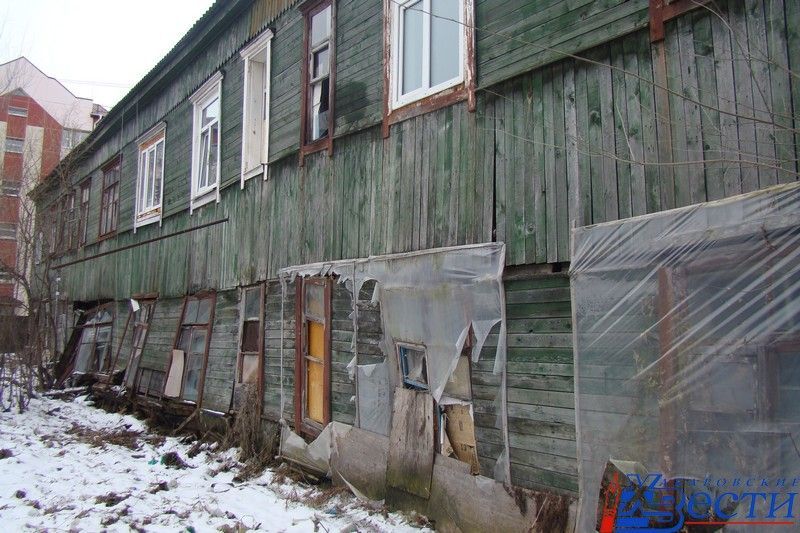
[433, 298]
[687, 326]
[374, 398]
[314, 455]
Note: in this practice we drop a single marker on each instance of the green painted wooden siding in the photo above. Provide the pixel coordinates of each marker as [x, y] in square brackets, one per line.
[541, 405]
[519, 35]
[572, 142]
[222, 353]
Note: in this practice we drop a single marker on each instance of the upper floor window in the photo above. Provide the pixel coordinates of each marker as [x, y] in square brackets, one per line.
[17, 111]
[14, 145]
[109, 205]
[255, 122]
[149, 185]
[86, 187]
[428, 48]
[206, 142]
[317, 71]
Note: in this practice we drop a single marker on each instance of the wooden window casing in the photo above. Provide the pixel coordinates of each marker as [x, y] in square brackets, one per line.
[150, 176]
[83, 221]
[312, 402]
[251, 342]
[196, 323]
[141, 326]
[206, 142]
[396, 106]
[312, 78]
[95, 342]
[256, 106]
[109, 202]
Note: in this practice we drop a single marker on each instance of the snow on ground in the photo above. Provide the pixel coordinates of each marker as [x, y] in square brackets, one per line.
[65, 474]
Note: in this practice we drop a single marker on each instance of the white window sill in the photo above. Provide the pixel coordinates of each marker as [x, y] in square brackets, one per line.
[205, 197]
[144, 219]
[252, 173]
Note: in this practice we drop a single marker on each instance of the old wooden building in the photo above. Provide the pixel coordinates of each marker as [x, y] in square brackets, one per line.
[335, 202]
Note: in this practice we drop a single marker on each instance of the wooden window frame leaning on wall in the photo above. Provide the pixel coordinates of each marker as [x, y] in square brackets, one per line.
[193, 322]
[311, 419]
[431, 94]
[314, 76]
[206, 142]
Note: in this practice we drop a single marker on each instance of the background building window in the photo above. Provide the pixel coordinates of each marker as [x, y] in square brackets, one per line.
[150, 180]
[17, 111]
[14, 145]
[8, 230]
[10, 188]
[109, 205]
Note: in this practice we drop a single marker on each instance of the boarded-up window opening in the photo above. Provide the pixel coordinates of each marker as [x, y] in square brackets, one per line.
[313, 368]
[193, 339]
[93, 353]
[141, 325]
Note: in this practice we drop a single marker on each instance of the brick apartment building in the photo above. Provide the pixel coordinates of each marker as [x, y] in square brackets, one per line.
[40, 121]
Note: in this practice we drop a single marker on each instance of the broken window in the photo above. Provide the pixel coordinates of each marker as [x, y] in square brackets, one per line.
[455, 428]
[255, 121]
[142, 315]
[413, 366]
[150, 382]
[313, 354]
[252, 341]
[191, 348]
[93, 353]
[318, 95]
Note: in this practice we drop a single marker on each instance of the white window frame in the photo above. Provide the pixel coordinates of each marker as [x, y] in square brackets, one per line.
[149, 214]
[256, 108]
[210, 90]
[398, 100]
[17, 111]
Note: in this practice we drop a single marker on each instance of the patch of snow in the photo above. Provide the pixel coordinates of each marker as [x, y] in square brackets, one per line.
[62, 475]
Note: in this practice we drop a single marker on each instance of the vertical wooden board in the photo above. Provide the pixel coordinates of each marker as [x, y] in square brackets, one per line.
[513, 209]
[595, 140]
[792, 14]
[743, 82]
[636, 125]
[548, 88]
[537, 179]
[609, 180]
[666, 176]
[584, 189]
[622, 128]
[501, 147]
[409, 466]
[677, 116]
[571, 154]
[726, 102]
[455, 185]
[420, 193]
[762, 92]
[530, 130]
[486, 226]
[707, 92]
[391, 178]
[377, 212]
[560, 73]
[405, 206]
[444, 168]
[467, 177]
[785, 149]
[693, 124]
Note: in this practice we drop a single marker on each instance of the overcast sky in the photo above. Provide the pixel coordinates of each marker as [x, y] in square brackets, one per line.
[98, 48]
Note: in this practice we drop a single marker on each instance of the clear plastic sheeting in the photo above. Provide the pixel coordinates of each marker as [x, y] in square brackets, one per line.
[315, 455]
[432, 299]
[374, 398]
[687, 345]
